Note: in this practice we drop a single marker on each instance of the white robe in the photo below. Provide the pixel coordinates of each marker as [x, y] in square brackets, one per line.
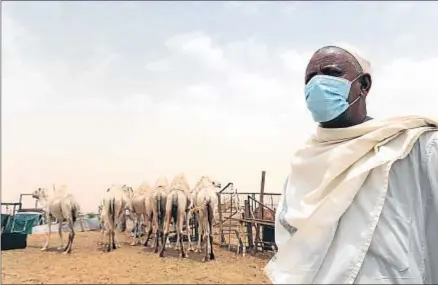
[398, 247]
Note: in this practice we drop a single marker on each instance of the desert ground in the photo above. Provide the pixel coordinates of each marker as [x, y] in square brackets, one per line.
[126, 265]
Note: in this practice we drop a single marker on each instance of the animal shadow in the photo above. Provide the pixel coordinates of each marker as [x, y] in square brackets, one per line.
[175, 254]
[50, 249]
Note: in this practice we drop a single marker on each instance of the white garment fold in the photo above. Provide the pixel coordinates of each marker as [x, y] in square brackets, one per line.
[326, 174]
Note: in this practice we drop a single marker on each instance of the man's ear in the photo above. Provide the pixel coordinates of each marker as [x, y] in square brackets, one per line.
[366, 83]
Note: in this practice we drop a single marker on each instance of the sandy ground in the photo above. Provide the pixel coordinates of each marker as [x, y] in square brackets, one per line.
[127, 265]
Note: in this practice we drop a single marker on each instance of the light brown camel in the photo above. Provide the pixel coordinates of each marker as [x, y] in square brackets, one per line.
[114, 205]
[61, 206]
[137, 208]
[176, 206]
[205, 201]
[155, 206]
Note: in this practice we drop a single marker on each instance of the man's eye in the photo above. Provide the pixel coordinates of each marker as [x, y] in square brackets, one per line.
[332, 71]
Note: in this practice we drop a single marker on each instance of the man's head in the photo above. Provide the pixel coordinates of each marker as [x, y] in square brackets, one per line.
[334, 61]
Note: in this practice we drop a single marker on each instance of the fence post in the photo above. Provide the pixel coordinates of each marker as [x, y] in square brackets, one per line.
[248, 224]
[221, 228]
[262, 194]
[261, 215]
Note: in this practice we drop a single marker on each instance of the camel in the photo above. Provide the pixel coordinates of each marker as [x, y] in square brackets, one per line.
[155, 207]
[205, 200]
[176, 205]
[137, 207]
[103, 215]
[114, 204]
[61, 206]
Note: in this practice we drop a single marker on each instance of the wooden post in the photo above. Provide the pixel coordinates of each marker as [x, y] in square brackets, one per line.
[221, 227]
[260, 214]
[248, 225]
[262, 194]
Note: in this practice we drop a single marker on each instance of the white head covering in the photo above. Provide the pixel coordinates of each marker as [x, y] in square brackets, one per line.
[364, 63]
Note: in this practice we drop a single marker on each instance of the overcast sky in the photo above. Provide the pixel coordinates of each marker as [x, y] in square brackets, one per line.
[95, 93]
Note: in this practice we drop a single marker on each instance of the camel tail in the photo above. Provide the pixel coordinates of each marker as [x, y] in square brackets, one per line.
[210, 216]
[174, 205]
[158, 201]
[74, 213]
[112, 210]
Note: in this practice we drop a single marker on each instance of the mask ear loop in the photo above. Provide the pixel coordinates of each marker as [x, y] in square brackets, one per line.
[360, 96]
[355, 100]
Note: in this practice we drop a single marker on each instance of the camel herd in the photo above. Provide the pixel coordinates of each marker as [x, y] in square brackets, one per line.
[157, 208]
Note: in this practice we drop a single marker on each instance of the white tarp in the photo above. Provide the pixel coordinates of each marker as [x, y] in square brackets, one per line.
[81, 225]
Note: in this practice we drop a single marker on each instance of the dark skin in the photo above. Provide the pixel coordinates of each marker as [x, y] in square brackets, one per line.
[336, 62]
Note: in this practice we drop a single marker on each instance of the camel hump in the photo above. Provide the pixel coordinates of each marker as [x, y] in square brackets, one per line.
[143, 188]
[179, 182]
[117, 187]
[60, 191]
[162, 182]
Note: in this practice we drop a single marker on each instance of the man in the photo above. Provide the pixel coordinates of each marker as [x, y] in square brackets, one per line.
[361, 202]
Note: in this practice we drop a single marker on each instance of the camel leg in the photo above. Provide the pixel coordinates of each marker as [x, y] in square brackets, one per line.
[148, 237]
[143, 225]
[200, 232]
[177, 236]
[149, 228]
[159, 239]
[71, 237]
[138, 231]
[179, 224]
[205, 235]
[113, 239]
[49, 223]
[168, 216]
[176, 243]
[156, 233]
[135, 231]
[116, 239]
[61, 243]
[189, 232]
[168, 243]
[108, 235]
[111, 236]
[210, 230]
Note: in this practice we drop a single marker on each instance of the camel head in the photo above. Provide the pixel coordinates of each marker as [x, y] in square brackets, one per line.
[40, 194]
[217, 184]
[127, 190]
[205, 181]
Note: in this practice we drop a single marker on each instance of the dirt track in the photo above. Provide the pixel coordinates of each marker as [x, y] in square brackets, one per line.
[127, 265]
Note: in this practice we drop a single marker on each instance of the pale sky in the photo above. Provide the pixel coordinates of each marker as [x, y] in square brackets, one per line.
[95, 93]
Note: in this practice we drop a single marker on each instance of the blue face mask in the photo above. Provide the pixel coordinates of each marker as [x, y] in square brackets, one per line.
[326, 97]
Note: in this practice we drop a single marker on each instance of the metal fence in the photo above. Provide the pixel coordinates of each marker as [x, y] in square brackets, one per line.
[245, 220]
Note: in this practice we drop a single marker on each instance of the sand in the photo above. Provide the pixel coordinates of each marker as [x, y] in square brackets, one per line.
[126, 265]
